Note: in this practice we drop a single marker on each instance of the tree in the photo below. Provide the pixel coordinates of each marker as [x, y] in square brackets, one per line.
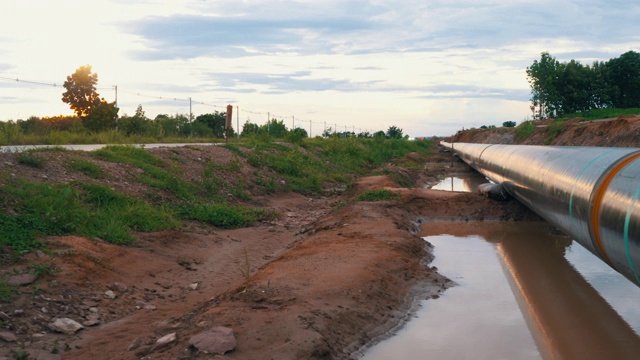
[394, 132]
[81, 92]
[216, 122]
[136, 124]
[275, 128]
[103, 116]
[543, 78]
[249, 128]
[624, 75]
[509, 124]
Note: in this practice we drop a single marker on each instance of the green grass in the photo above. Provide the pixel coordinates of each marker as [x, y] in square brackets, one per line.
[236, 150]
[524, 130]
[333, 160]
[28, 158]
[223, 215]
[6, 292]
[597, 114]
[155, 172]
[376, 195]
[35, 210]
[84, 209]
[86, 167]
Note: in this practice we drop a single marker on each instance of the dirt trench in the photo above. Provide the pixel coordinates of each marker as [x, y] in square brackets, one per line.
[326, 280]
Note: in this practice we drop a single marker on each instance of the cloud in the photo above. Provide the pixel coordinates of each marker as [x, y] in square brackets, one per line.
[281, 83]
[471, 91]
[188, 36]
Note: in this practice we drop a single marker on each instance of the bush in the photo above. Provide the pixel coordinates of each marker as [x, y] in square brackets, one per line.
[376, 195]
[524, 130]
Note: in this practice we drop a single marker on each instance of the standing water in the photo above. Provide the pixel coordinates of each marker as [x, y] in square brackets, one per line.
[463, 183]
[521, 293]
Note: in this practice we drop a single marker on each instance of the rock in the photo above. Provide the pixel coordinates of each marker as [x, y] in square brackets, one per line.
[4, 317]
[92, 320]
[164, 342]
[120, 287]
[8, 337]
[193, 286]
[110, 294]
[135, 344]
[66, 325]
[217, 340]
[89, 303]
[22, 279]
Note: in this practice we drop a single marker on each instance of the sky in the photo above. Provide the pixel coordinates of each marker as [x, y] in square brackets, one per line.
[429, 67]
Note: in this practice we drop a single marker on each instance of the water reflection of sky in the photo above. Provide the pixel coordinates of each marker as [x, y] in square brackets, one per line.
[467, 183]
[620, 293]
[477, 319]
[521, 294]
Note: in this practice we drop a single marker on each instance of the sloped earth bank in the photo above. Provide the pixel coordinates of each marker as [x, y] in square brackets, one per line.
[623, 131]
[327, 279]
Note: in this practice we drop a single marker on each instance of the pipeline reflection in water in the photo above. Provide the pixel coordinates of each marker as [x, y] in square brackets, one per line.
[565, 317]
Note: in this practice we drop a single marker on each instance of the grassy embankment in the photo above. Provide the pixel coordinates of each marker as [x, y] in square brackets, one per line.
[93, 209]
[555, 128]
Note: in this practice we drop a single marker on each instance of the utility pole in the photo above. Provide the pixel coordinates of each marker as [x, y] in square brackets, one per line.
[238, 120]
[268, 121]
[293, 122]
[190, 119]
[310, 136]
[116, 89]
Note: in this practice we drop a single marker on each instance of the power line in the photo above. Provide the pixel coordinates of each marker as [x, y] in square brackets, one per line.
[40, 83]
[171, 98]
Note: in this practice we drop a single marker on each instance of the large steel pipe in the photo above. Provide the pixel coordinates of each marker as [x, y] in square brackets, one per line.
[590, 193]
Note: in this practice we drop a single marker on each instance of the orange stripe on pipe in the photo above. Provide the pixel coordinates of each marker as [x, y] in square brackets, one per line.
[597, 202]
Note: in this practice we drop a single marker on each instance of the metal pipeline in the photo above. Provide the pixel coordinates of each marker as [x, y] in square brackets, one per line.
[590, 193]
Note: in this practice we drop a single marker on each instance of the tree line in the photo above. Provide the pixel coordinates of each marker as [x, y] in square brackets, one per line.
[94, 114]
[560, 88]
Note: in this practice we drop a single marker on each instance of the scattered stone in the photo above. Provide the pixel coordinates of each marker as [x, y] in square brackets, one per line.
[8, 337]
[18, 312]
[91, 322]
[89, 303]
[66, 325]
[217, 340]
[110, 294]
[4, 317]
[164, 342]
[120, 287]
[93, 309]
[135, 344]
[22, 279]
[193, 286]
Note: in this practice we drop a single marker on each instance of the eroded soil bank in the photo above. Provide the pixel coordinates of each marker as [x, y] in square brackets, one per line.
[325, 280]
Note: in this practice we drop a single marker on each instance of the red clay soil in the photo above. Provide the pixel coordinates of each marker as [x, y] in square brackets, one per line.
[623, 131]
[326, 280]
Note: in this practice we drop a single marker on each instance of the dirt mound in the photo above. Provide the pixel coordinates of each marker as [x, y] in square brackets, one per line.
[623, 131]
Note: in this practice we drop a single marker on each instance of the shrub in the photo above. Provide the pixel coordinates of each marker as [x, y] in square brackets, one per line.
[28, 158]
[376, 195]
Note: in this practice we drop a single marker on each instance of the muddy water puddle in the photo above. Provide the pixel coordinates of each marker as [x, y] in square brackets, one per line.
[521, 293]
[463, 183]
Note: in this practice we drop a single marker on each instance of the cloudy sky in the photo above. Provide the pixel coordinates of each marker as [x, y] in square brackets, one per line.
[430, 67]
